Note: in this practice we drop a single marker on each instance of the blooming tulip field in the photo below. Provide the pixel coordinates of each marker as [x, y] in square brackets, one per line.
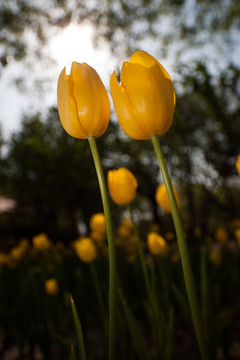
[38, 276]
[126, 287]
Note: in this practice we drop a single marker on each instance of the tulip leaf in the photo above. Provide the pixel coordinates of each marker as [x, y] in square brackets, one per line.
[134, 329]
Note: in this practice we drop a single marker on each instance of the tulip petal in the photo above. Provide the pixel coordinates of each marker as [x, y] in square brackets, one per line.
[152, 99]
[67, 107]
[124, 111]
[143, 58]
[91, 98]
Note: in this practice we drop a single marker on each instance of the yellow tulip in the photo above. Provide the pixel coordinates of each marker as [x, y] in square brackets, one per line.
[122, 186]
[156, 244]
[237, 235]
[215, 256]
[144, 101]
[83, 102]
[98, 223]
[16, 253]
[41, 242]
[238, 164]
[221, 235]
[162, 198]
[51, 287]
[4, 259]
[125, 229]
[85, 249]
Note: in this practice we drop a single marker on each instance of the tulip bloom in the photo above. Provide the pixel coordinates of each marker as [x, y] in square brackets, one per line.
[156, 244]
[83, 102]
[41, 242]
[221, 235]
[144, 101]
[122, 186]
[238, 164]
[215, 256]
[85, 250]
[162, 198]
[51, 287]
[237, 236]
[98, 223]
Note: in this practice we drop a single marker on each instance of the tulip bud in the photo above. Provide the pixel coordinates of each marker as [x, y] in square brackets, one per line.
[122, 186]
[83, 102]
[215, 256]
[156, 244]
[51, 287]
[144, 101]
[237, 235]
[98, 223]
[162, 198]
[41, 242]
[238, 164]
[221, 235]
[85, 250]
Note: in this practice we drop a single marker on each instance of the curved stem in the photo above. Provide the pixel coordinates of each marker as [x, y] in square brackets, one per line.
[82, 355]
[111, 246]
[186, 264]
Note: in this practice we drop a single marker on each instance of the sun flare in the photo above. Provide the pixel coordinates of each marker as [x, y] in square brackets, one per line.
[75, 43]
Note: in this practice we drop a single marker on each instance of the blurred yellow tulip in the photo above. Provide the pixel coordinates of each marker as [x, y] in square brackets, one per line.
[83, 102]
[4, 259]
[221, 235]
[215, 256]
[162, 198]
[122, 186]
[41, 242]
[85, 249]
[144, 101]
[98, 223]
[51, 287]
[125, 229]
[156, 244]
[237, 235]
[238, 164]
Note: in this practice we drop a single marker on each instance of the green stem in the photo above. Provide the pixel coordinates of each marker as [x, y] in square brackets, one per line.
[204, 286]
[186, 264]
[82, 355]
[111, 246]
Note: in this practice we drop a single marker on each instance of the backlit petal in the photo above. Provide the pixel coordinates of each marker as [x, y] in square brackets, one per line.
[143, 58]
[91, 98]
[67, 107]
[151, 96]
[124, 110]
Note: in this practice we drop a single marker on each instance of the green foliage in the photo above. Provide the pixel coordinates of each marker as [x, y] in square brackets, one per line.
[50, 175]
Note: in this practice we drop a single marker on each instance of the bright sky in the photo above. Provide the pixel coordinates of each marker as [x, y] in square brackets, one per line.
[73, 43]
